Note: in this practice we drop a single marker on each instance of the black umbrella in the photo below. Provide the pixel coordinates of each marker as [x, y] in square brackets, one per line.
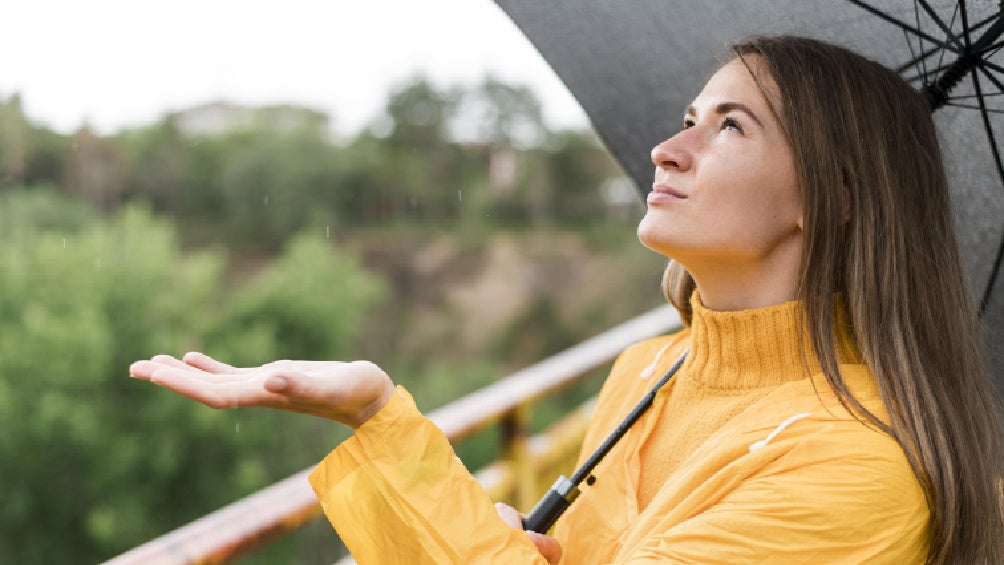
[635, 64]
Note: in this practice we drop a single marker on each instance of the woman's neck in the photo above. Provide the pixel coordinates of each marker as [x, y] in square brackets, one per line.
[727, 286]
[731, 298]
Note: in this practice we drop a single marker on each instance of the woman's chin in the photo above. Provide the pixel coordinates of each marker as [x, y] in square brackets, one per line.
[663, 242]
[651, 234]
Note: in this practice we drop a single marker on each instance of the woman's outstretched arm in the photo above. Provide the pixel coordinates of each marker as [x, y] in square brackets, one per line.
[347, 392]
[384, 511]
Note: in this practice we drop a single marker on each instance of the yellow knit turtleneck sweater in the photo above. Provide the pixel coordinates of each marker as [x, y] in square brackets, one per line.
[736, 358]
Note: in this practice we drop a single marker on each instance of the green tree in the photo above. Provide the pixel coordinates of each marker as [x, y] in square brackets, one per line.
[157, 159]
[308, 304]
[29, 154]
[13, 141]
[577, 165]
[502, 114]
[277, 184]
[101, 462]
[427, 165]
[419, 115]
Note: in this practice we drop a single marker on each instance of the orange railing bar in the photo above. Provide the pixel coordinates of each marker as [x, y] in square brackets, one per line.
[286, 505]
[486, 405]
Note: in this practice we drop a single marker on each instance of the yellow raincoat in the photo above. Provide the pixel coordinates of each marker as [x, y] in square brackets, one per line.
[731, 465]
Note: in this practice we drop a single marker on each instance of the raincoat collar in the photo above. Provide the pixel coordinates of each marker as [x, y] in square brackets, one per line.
[746, 349]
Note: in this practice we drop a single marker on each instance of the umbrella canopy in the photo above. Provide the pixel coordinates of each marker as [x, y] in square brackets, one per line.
[634, 66]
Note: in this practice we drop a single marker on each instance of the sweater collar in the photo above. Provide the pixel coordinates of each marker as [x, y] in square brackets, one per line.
[747, 349]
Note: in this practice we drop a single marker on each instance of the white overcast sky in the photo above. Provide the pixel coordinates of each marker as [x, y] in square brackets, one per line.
[122, 63]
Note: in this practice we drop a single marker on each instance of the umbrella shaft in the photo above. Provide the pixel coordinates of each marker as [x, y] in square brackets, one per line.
[937, 92]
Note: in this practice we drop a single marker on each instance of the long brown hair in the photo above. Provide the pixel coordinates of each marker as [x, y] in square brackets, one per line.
[862, 136]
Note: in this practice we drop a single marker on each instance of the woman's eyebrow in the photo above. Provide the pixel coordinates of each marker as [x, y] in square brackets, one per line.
[726, 107]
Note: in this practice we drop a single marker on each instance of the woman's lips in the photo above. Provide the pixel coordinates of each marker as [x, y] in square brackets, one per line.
[663, 193]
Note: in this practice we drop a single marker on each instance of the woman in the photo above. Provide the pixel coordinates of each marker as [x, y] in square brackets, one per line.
[834, 406]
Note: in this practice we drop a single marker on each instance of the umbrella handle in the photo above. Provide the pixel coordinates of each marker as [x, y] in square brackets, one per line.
[564, 491]
[558, 498]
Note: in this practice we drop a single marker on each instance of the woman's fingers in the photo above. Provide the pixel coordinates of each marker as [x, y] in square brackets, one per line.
[146, 368]
[248, 391]
[207, 363]
[169, 360]
[547, 546]
[143, 370]
[509, 515]
[266, 387]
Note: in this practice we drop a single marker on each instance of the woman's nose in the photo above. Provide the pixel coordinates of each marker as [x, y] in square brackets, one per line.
[669, 155]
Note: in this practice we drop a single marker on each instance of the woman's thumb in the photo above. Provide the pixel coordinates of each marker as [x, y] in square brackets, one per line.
[280, 384]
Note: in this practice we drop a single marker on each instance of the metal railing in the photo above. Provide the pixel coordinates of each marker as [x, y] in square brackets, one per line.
[276, 510]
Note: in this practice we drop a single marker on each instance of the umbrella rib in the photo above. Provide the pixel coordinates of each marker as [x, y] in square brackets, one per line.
[965, 32]
[955, 14]
[919, 62]
[969, 48]
[985, 51]
[972, 107]
[936, 50]
[992, 66]
[937, 20]
[924, 55]
[904, 26]
[968, 96]
[937, 93]
[938, 69]
[993, 49]
[920, 44]
[985, 301]
[941, 65]
[1000, 173]
[993, 79]
[985, 64]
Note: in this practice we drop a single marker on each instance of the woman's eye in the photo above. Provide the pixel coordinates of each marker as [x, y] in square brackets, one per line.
[732, 123]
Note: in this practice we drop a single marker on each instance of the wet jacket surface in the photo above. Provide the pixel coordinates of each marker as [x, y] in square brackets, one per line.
[746, 457]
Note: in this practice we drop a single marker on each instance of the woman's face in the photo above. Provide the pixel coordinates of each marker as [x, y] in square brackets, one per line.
[725, 190]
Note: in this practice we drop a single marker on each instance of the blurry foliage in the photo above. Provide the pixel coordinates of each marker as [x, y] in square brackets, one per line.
[107, 462]
[308, 304]
[480, 155]
[256, 242]
[29, 154]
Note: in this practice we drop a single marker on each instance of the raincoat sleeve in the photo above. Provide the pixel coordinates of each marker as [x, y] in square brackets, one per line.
[396, 493]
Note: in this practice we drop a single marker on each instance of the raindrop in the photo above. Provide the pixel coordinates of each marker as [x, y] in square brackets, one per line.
[266, 200]
[97, 263]
[238, 428]
[64, 243]
[327, 232]
[460, 196]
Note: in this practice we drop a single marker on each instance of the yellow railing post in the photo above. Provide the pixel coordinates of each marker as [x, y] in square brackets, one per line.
[515, 426]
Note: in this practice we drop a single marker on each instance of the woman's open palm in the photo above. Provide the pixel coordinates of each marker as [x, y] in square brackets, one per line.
[347, 392]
